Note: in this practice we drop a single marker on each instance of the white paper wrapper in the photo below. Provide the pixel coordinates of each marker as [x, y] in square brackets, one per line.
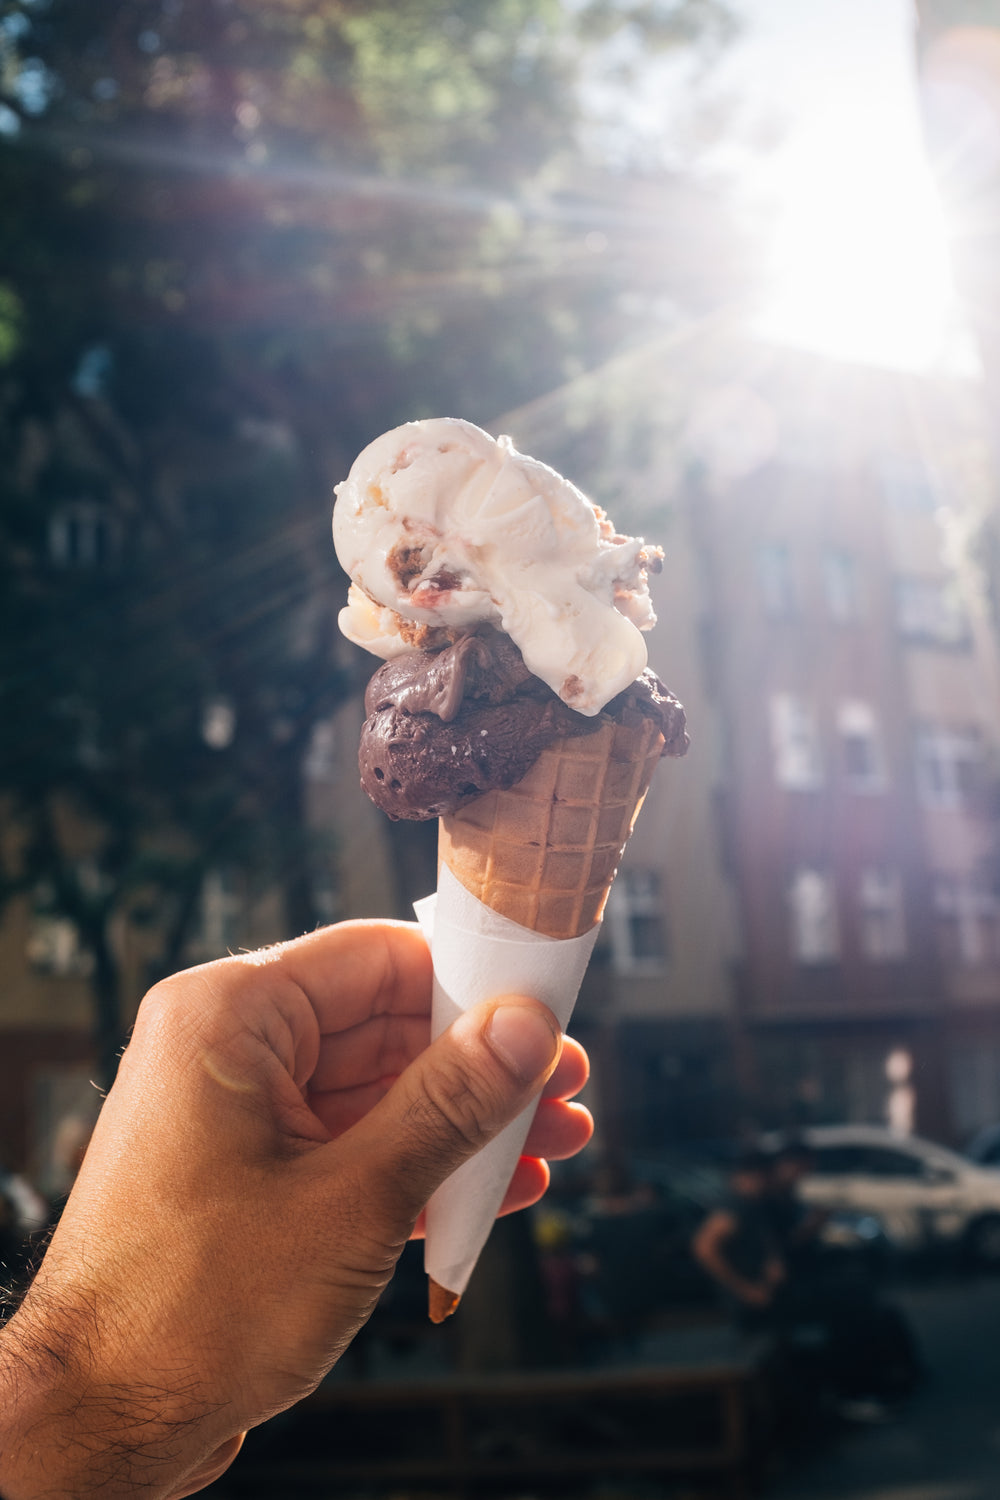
[479, 955]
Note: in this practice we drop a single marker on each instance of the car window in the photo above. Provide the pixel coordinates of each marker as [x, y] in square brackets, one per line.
[882, 1161]
[835, 1161]
[866, 1161]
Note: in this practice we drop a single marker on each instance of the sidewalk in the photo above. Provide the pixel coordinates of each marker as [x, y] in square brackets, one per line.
[946, 1444]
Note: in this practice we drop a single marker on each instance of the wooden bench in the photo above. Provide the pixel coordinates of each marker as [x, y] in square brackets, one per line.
[470, 1434]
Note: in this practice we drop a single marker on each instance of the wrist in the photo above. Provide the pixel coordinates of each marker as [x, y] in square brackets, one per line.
[70, 1428]
[31, 1404]
[49, 1423]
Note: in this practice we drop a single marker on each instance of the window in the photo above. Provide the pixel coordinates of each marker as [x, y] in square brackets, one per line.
[321, 757]
[813, 910]
[64, 1106]
[53, 945]
[91, 378]
[82, 535]
[861, 753]
[776, 580]
[221, 909]
[929, 610]
[635, 923]
[882, 1161]
[974, 1071]
[326, 898]
[948, 764]
[835, 1161]
[907, 486]
[218, 723]
[867, 1161]
[883, 924]
[842, 586]
[795, 744]
[968, 921]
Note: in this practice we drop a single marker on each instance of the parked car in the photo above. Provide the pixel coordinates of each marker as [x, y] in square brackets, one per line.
[928, 1199]
[984, 1148]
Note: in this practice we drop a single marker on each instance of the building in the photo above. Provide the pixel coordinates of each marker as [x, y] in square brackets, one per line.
[856, 691]
[806, 924]
[656, 1008]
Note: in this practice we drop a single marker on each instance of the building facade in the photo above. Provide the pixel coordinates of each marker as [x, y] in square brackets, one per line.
[856, 690]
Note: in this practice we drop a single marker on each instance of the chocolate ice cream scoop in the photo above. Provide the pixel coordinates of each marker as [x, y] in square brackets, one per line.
[444, 727]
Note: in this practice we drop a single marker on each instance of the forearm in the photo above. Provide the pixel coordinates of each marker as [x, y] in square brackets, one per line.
[69, 1431]
[729, 1279]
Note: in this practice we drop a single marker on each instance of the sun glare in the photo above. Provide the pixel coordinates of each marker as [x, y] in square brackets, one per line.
[860, 266]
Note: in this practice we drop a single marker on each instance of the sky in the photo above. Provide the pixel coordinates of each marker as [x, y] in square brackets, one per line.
[858, 243]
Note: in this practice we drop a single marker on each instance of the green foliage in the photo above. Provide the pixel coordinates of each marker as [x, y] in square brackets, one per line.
[441, 85]
[11, 319]
[661, 23]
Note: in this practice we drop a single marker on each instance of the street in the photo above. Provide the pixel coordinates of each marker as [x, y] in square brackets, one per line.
[945, 1445]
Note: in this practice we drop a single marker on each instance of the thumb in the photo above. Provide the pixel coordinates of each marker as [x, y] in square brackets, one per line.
[451, 1100]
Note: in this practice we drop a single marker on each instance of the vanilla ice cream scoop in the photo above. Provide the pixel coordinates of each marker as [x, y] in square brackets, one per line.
[442, 527]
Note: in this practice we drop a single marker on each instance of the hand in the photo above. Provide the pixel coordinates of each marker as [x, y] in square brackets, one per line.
[277, 1125]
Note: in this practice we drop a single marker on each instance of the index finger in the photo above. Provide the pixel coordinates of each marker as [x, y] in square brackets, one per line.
[356, 970]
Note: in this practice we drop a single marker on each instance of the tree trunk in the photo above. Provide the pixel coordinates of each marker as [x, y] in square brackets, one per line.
[501, 1322]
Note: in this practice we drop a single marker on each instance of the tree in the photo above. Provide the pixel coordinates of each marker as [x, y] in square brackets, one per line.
[238, 241]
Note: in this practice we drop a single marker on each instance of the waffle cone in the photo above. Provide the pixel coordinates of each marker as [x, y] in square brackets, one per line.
[545, 852]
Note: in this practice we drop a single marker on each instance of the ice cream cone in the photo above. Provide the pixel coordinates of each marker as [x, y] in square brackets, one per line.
[509, 612]
[545, 852]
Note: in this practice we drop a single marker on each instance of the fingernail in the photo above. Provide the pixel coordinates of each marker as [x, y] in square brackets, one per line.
[524, 1040]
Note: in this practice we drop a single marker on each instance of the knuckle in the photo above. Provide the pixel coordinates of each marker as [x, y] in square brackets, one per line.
[159, 1012]
[170, 1006]
[178, 1015]
[450, 1112]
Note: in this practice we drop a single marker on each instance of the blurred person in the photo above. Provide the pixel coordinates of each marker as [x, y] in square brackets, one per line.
[797, 1225]
[860, 1348]
[740, 1247]
[278, 1122]
[737, 1246]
